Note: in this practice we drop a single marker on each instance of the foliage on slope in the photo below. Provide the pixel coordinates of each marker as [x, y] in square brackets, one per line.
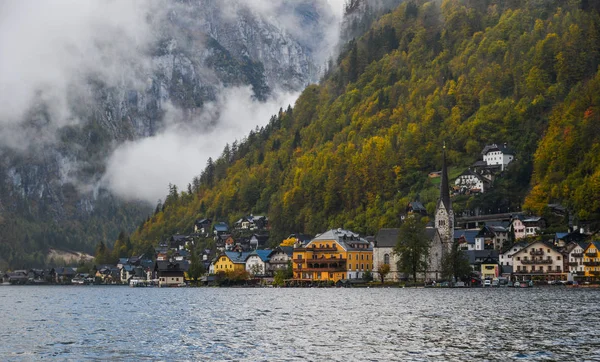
[354, 150]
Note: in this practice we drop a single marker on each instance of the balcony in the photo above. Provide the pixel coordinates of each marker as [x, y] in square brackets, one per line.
[320, 260]
[577, 255]
[595, 272]
[591, 263]
[537, 261]
[283, 262]
[591, 255]
[536, 252]
[323, 269]
[573, 263]
[315, 249]
[537, 272]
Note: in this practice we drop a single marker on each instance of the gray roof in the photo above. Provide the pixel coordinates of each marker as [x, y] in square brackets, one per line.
[476, 256]
[387, 238]
[494, 147]
[343, 237]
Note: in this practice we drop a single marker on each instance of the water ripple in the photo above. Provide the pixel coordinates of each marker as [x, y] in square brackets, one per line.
[108, 323]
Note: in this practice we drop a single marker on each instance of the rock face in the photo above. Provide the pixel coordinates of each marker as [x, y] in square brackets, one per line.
[199, 48]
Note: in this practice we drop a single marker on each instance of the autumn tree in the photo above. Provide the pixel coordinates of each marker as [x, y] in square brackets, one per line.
[383, 270]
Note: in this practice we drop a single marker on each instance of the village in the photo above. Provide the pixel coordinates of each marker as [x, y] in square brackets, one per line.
[501, 249]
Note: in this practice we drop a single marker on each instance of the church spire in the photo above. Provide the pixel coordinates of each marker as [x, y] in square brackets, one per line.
[444, 185]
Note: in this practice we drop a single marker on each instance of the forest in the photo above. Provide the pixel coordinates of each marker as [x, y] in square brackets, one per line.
[355, 149]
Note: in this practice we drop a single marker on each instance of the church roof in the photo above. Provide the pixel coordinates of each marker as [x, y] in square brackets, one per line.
[444, 185]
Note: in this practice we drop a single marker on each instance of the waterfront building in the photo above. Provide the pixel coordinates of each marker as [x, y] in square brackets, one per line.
[257, 262]
[334, 255]
[230, 261]
[574, 258]
[280, 259]
[538, 260]
[170, 273]
[591, 261]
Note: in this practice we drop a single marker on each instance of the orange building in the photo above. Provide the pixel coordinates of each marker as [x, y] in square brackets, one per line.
[334, 255]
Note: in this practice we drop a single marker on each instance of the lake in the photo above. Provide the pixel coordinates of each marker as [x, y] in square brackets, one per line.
[253, 324]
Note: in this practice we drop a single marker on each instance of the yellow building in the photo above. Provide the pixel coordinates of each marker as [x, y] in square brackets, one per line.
[591, 261]
[231, 261]
[332, 256]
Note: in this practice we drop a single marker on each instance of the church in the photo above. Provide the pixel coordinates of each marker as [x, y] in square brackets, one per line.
[440, 234]
[442, 230]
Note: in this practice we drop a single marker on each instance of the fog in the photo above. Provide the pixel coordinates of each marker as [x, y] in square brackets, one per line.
[50, 49]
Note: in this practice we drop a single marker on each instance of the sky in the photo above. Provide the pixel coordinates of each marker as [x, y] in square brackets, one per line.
[49, 49]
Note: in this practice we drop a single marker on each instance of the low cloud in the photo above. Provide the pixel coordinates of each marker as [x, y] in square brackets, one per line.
[143, 169]
[52, 49]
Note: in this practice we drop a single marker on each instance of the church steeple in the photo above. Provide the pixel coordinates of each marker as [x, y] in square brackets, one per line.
[444, 215]
[444, 185]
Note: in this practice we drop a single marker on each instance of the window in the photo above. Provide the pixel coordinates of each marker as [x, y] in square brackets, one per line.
[362, 256]
[362, 266]
[386, 259]
[349, 256]
[558, 258]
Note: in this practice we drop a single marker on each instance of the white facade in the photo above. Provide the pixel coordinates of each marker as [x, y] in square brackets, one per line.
[576, 260]
[506, 258]
[497, 157]
[385, 255]
[470, 182]
[255, 265]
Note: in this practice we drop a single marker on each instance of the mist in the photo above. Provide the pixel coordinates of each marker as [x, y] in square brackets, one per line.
[50, 51]
[143, 169]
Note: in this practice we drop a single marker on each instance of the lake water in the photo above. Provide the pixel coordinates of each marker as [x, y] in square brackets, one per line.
[199, 324]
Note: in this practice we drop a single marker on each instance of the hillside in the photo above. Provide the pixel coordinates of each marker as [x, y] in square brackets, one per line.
[354, 150]
[105, 84]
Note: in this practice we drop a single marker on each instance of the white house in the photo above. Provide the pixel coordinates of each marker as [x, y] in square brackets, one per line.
[494, 155]
[471, 182]
[506, 258]
[575, 259]
[491, 237]
[257, 263]
[526, 226]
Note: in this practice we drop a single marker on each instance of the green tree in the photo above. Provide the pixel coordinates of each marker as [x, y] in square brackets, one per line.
[412, 247]
[196, 269]
[455, 264]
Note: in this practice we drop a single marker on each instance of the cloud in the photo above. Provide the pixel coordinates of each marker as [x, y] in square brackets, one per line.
[49, 47]
[143, 169]
[52, 49]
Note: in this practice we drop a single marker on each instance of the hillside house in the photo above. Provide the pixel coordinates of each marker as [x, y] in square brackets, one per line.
[470, 182]
[525, 226]
[494, 155]
[202, 226]
[491, 237]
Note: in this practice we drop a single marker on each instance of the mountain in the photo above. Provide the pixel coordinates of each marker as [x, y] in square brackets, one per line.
[355, 149]
[124, 86]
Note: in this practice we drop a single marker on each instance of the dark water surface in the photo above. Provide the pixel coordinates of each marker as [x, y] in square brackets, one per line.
[199, 324]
